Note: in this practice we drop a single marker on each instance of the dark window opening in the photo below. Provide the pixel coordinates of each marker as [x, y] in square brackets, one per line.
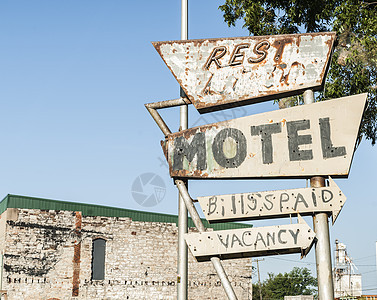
[98, 259]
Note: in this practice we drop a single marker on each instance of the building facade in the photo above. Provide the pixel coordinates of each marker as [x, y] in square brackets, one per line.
[346, 282]
[64, 250]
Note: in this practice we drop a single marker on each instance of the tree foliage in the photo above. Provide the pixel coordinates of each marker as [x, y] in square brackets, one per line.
[299, 281]
[354, 62]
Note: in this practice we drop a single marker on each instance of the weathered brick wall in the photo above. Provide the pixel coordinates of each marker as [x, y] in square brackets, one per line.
[48, 254]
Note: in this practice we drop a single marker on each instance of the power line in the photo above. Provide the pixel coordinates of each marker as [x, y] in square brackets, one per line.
[364, 257]
[302, 262]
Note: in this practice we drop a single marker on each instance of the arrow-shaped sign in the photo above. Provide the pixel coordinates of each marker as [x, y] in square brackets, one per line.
[273, 204]
[221, 73]
[258, 241]
[309, 140]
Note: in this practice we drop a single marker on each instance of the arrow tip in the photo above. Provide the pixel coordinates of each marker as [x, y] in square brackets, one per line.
[342, 197]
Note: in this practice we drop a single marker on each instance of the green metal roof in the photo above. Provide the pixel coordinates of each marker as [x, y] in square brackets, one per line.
[15, 201]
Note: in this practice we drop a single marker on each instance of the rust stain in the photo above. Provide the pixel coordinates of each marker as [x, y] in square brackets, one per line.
[284, 121]
[77, 255]
[164, 148]
[186, 173]
[208, 96]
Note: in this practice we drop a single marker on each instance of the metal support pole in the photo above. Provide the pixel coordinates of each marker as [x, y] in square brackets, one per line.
[321, 229]
[1, 268]
[182, 268]
[259, 283]
[216, 262]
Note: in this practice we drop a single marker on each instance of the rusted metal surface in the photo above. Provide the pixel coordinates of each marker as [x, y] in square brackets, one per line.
[190, 205]
[309, 140]
[256, 241]
[221, 73]
[152, 109]
[273, 204]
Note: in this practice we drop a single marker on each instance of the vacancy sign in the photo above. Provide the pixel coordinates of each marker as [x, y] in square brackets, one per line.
[222, 73]
[256, 241]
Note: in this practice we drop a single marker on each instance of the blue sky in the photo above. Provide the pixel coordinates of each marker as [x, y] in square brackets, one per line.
[74, 79]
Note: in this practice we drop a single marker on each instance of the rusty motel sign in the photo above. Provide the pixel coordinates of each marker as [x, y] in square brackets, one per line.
[273, 204]
[222, 73]
[309, 140]
[313, 140]
[257, 241]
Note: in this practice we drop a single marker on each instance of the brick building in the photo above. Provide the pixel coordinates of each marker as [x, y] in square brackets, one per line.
[64, 250]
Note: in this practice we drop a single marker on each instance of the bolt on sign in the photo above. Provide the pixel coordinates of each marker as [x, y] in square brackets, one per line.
[222, 73]
[309, 140]
[273, 204]
[246, 242]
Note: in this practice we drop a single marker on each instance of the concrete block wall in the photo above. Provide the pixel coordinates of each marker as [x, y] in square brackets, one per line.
[48, 255]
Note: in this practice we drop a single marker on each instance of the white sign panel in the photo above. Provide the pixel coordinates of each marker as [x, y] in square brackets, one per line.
[227, 72]
[309, 140]
[273, 204]
[259, 241]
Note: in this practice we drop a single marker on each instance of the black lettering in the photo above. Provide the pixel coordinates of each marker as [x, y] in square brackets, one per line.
[328, 150]
[265, 131]
[314, 197]
[281, 231]
[216, 54]
[271, 204]
[329, 198]
[237, 57]
[253, 201]
[284, 197]
[236, 239]
[258, 50]
[300, 198]
[226, 244]
[242, 205]
[260, 238]
[248, 233]
[212, 205]
[218, 148]
[295, 140]
[294, 235]
[272, 237]
[234, 208]
[197, 147]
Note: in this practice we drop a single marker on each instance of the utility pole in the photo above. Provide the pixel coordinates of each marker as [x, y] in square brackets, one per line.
[259, 283]
[321, 228]
[182, 268]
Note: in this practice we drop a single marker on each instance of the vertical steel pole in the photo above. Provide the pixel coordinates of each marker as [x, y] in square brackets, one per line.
[259, 283]
[182, 268]
[321, 228]
[216, 262]
[1, 269]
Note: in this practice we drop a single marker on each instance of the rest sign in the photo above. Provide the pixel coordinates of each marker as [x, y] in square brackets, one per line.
[227, 72]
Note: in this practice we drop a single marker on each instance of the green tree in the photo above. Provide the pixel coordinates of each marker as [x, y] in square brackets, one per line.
[299, 281]
[354, 63]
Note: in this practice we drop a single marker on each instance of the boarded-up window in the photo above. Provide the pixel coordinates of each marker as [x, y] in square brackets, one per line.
[98, 259]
